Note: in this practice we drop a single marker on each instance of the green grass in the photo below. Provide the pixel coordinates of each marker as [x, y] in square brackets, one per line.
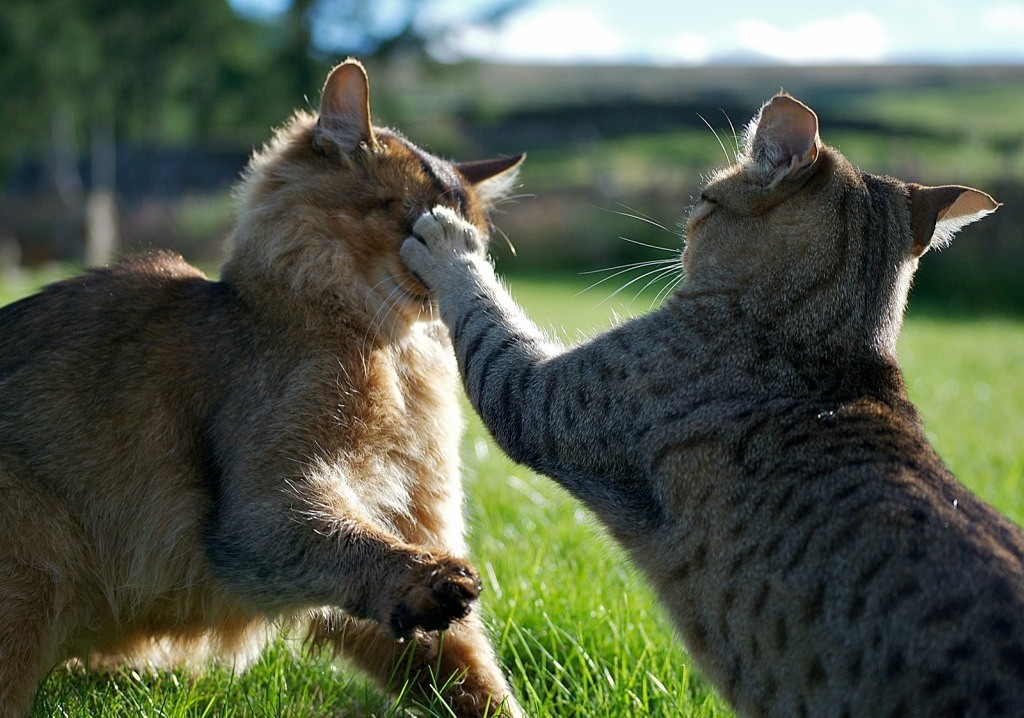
[965, 377]
[981, 109]
[578, 631]
[19, 283]
[627, 164]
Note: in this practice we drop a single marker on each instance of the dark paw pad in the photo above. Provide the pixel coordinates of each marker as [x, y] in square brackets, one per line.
[439, 593]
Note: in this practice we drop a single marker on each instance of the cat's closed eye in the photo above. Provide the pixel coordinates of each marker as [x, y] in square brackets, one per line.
[702, 209]
[388, 206]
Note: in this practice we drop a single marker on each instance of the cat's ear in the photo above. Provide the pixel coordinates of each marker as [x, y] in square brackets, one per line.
[493, 178]
[479, 171]
[783, 140]
[937, 213]
[345, 108]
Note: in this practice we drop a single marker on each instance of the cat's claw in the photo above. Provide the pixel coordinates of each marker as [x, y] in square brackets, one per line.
[438, 237]
[439, 594]
[443, 230]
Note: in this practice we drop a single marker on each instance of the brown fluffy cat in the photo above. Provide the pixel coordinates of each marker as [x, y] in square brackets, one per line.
[185, 464]
[753, 448]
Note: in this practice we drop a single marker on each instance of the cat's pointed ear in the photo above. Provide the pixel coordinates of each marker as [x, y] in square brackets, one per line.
[479, 171]
[345, 107]
[492, 179]
[937, 213]
[783, 140]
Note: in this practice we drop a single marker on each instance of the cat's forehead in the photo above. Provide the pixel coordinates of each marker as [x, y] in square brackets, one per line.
[724, 174]
[442, 175]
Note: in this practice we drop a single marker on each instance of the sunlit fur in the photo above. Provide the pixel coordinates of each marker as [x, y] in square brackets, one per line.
[322, 240]
[188, 467]
[752, 446]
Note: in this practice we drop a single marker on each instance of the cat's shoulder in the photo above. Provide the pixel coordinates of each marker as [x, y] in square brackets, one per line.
[142, 273]
[147, 275]
[142, 290]
[155, 264]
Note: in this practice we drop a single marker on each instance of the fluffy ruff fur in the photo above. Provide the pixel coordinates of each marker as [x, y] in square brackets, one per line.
[189, 467]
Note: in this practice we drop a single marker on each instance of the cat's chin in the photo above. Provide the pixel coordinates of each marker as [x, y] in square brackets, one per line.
[400, 298]
[419, 302]
[421, 307]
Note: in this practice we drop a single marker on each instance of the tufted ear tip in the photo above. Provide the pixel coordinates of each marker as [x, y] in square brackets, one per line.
[937, 213]
[492, 179]
[478, 171]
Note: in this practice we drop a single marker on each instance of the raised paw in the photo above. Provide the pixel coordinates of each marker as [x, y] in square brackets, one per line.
[441, 240]
[437, 593]
[442, 230]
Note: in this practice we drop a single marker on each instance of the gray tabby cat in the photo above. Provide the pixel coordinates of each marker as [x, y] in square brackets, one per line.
[752, 446]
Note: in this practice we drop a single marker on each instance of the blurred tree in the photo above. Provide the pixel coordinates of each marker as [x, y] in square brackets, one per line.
[95, 72]
[384, 30]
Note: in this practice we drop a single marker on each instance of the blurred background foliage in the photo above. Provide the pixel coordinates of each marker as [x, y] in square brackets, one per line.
[124, 125]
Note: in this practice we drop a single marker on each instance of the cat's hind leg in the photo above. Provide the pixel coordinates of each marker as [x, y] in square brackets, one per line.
[456, 665]
[26, 644]
[37, 561]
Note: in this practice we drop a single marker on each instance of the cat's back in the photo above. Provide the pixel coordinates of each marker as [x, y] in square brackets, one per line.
[823, 554]
[876, 580]
[105, 386]
[101, 361]
[105, 307]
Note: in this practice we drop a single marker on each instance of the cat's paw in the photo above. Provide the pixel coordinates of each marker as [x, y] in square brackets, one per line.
[439, 237]
[437, 593]
[443, 230]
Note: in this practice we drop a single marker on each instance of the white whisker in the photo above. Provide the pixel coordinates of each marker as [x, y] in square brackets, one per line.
[635, 211]
[369, 295]
[633, 214]
[650, 246]
[387, 306]
[735, 138]
[631, 282]
[373, 320]
[653, 271]
[660, 277]
[720, 143]
[508, 241]
[667, 272]
[666, 290]
[659, 263]
[513, 198]
[632, 265]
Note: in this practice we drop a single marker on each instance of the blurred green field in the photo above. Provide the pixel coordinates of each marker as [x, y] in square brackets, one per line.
[638, 140]
[980, 109]
[578, 631]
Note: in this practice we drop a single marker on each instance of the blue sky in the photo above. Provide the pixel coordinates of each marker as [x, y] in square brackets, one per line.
[669, 32]
[801, 31]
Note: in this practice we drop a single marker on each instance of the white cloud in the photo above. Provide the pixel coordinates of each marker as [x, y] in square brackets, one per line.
[855, 37]
[686, 48]
[1004, 19]
[564, 33]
